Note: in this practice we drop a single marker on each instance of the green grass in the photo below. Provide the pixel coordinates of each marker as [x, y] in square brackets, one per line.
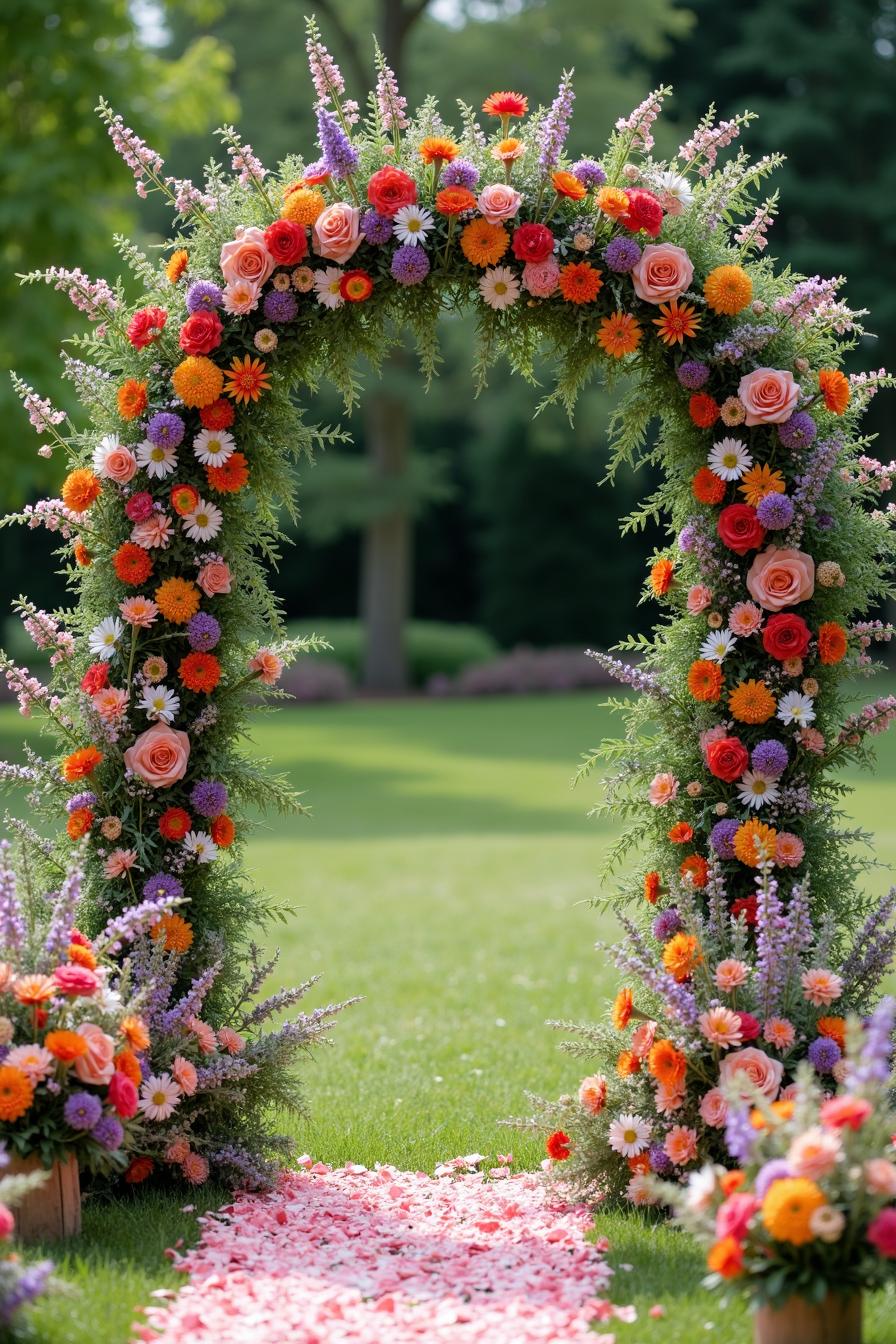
[445, 876]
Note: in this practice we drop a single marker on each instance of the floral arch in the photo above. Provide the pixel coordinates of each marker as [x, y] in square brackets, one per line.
[277, 280]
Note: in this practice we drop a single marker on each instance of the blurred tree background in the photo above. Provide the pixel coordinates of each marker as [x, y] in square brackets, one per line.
[443, 507]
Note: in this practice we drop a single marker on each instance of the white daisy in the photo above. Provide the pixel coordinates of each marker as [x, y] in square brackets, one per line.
[675, 192]
[104, 637]
[629, 1135]
[201, 846]
[156, 459]
[107, 445]
[499, 287]
[159, 703]
[729, 459]
[204, 522]
[213, 446]
[159, 1096]
[796, 709]
[717, 646]
[756, 789]
[701, 1189]
[411, 224]
[327, 286]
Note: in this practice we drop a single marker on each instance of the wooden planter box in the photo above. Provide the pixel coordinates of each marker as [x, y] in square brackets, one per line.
[836, 1320]
[53, 1211]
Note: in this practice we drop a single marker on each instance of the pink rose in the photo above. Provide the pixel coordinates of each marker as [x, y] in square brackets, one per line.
[769, 395]
[247, 258]
[541, 277]
[498, 202]
[756, 1068]
[337, 232]
[714, 1108]
[98, 1065]
[733, 1217]
[7, 1223]
[159, 756]
[76, 981]
[699, 598]
[780, 578]
[663, 272]
[882, 1233]
[120, 465]
[214, 578]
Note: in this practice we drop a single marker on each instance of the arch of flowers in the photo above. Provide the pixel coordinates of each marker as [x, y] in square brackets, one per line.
[622, 264]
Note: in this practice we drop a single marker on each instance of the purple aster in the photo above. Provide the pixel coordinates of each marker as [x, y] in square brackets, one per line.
[775, 511]
[82, 1110]
[280, 305]
[165, 430]
[203, 631]
[660, 1161]
[667, 924]
[377, 229]
[340, 158]
[203, 297]
[721, 837]
[460, 173]
[692, 374]
[589, 173]
[162, 885]
[622, 254]
[799, 431]
[108, 1132]
[209, 797]
[823, 1054]
[825, 522]
[770, 757]
[410, 265]
[775, 1170]
[80, 800]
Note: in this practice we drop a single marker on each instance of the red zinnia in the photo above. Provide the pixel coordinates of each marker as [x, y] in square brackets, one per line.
[219, 415]
[174, 823]
[146, 326]
[681, 833]
[132, 564]
[746, 906]
[200, 672]
[558, 1145]
[644, 212]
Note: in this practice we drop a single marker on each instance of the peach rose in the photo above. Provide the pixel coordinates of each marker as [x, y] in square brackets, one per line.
[498, 202]
[714, 1108]
[780, 578]
[98, 1065]
[247, 258]
[120, 465]
[159, 756]
[757, 1068]
[214, 578]
[337, 232]
[663, 272]
[769, 395]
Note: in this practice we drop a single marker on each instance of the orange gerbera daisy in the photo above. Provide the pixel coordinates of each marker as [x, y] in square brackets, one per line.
[662, 573]
[135, 1032]
[197, 381]
[627, 1064]
[834, 388]
[705, 681]
[621, 1012]
[454, 200]
[176, 264]
[80, 489]
[506, 105]
[16, 1093]
[176, 931]
[754, 842]
[200, 672]
[728, 289]
[438, 149]
[247, 380]
[580, 282]
[666, 1064]
[613, 201]
[132, 399]
[302, 204]
[81, 763]
[652, 887]
[177, 600]
[79, 823]
[760, 481]
[66, 1046]
[484, 244]
[752, 702]
[703, 410]
[681, 955]
[132, 563]
[126, 1062]
[834, 1028]
[223, 831]
[230, 476]
[619, 334]
[707, 487]
[832, 645]
[679, 322]
[568, 185]
[681, 833]
[696, 868]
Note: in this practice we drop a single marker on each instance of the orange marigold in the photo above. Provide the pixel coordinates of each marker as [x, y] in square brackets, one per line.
[568, 185]
[681, 955]
[197, 381]
[438, 149]
[707, 487]
[82, 555]
[696, 869]
[754, 842]
[484, 244]
[126, 1062]
[832, 643]
[834, 388]
[132, 399]
[627, 1064]
[302, 205]
[788, 1207]
[705, 681]
[580, 282]
[652, 887]
[176, 931]
[80, 489]
[135, 1032]
[752, 702]
[247, 379]
[81, 763]
[666, 1064]
[79, 823]
[760, 481]
[621, 1012]
[728, 289]
[16, 1093]
[132, 563]
[177, 600]
[834, 1028]
[679, 321]
[200, 672]
[613, 201]
[65, 1046]
[176, 264]
[703, 410]
[230, 476]
[619, 334]
[662, 573]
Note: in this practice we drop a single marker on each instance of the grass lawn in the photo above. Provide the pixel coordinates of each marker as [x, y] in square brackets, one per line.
[445, 876]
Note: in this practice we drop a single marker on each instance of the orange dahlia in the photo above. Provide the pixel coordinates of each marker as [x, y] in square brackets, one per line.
[679, 321]
[681, 955]
[197, 381]
[580, 282]
[81, 763]
[662, 573]
[176, 931]
[754, 843]
[619, 334]
[760, 481]
[832, 643]
[16, 1093]
[652, 886]
[230, 476]
[177, 600]
[621, 1012]
[247, 380]
[752, 702]
[200, 672]
[132, 399]
[302, 205]
[705, 681]
[568, 185]
[834, 388]
[613, 201]
[132, 563]
[506, 105]
[707, 487]
[176, 264]
[80, 489]
[728, 289]
[79, 823]
[438, 149]
[484, 244]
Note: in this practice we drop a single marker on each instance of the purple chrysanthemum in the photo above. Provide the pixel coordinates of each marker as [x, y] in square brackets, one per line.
[203, 631]
[692, 374]
[377, 229]
[721, 837]
[799, 431]
[770, 757]
[823, 1054]
[280, 305]
[775, 511]
[667, 924]
[108, 1132]
[410, 265]
[203, 296]
[775, 1170]
[165, 429]
[660, 1161]
[622, 254]
[209, 797]
[82, 1110]
[80, 800]
[162, 885]
[340, 158]
[589, 173]
[460, 173]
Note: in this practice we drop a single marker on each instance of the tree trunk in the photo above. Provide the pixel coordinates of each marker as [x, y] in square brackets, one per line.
[386, 551]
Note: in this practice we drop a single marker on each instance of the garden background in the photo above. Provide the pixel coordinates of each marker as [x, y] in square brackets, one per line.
[446, 870]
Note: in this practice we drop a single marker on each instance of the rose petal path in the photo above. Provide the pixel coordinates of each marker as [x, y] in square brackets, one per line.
[354, 1256]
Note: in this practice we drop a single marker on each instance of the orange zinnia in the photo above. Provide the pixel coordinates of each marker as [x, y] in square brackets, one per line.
[834, 1028]
[621, 1012]
[230, 476]
[760, 481]
[728, 289]
[707, 487]
[619, 334]
[66, 1046]
[135, 1032]
[834, 388]
[132, 564]
[177, 600]
[247, 380]
[176, 265]
[652, 883]
[484, 244]
[696, 868]
[80, 489]
[176, 931]
[666, 1064]
[580, 282]
[132, 399]
[705, 681]
[16, 1093]
[81, 763]
[752, 702]
[681, 955]
[627, 1064]
[438, 149]
[80, 955]
[613, 201]
[662, 573]
[754, 843]
[832, 643]
[197, 381]
[79, 823]
[681, 833]
[678, 322]
[568, 185]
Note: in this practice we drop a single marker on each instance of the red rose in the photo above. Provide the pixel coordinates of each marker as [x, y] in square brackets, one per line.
[146, 326]
[740, 529]
[286, 242]
[786, 636]
[749, 1026]
[644, 212]
[727, 758]
[532, 242]
[96, 678]
[201, 333]
[389, 189]
[122, 1095]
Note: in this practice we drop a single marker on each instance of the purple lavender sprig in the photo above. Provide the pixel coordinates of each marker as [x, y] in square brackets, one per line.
[871, 955]
[639, 680]
[13, 928]
[873, 1063]
[135, 922]
[339, 154]
[65, 904]
[555, 127]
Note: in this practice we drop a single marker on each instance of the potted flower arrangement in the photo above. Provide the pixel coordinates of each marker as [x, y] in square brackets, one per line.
[807, 1219]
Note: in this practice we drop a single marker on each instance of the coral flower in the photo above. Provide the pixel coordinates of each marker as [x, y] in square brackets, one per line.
[132, 399]
[455, 200]
[779, 1032]
[139, 611]
[681, 1145]
[754, 843]
[621, 1012]
[788, 1207]
[681, 955]
[184, 1074]
[821, 987]
[703, 410]
[726, 1258]
[247, 379]
[230, 476]
[628, 1064]
[752, 702]
[580, 282]
[730, 974]
[16, 1093]
[177, 600]
[652, 886]
[568, 185]
[223, 831]
[666, 1064]
[506, 105]
[200, 672]
[705, 680]
[66, 1046]
[484, 244]
[619, 334]
[744, 618]
[132, 564]
[438, 149]
[205, 1036]
[661, 576]
[663, 789]
[81, 763]
[134, 1031]
[508, 150]
[176, 265]
[231, 1041]
[679, 322]
[832, 643]
[834, 388]
[593, 1093]
[790, 850]
[176, 931]
[845, 1112]
[32, 990]
[612, 201]
[728, 289]
[760, 481]
[721, 1027]
[80, 489]
[681, 833]
[695, 869]
[707, 487]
